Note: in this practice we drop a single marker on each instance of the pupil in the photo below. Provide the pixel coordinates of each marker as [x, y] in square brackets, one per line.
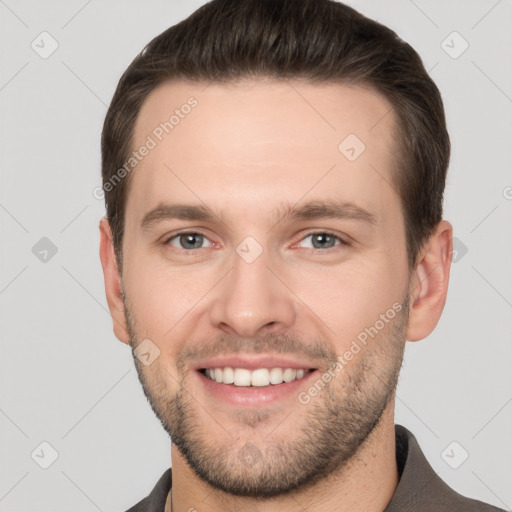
[320, 239]
[194, 240]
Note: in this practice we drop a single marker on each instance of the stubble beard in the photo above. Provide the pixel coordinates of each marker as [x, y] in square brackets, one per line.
[336, 423]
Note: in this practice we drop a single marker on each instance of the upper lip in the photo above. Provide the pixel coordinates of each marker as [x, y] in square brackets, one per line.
[254, 362]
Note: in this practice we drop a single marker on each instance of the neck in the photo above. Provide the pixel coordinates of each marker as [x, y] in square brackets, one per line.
[367, 483]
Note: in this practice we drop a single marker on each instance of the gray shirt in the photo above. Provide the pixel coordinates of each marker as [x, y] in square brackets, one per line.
[419, 490]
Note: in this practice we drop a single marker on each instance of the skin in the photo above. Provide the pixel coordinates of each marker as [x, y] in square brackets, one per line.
[243, 151]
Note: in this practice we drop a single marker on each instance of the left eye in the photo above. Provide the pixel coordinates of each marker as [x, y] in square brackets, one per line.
[321, 240]
[187, 241]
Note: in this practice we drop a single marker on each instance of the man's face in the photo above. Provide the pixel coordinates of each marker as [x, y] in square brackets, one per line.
[252, 286]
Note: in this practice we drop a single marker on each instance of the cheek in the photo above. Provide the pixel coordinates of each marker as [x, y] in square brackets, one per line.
[162, 297]
[350, 298]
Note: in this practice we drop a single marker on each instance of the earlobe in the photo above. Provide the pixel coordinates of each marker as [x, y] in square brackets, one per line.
[112, 278]
[429, 283]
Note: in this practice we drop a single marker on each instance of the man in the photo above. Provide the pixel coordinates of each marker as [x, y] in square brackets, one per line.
[274, 175]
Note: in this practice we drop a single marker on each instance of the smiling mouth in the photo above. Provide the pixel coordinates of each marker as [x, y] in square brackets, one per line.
[260, 377]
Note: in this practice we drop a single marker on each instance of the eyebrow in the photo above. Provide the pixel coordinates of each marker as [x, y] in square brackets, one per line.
[176, 211]
[319, 209]
[324, 209]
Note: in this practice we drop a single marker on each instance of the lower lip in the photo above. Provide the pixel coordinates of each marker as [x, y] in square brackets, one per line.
[254, 395]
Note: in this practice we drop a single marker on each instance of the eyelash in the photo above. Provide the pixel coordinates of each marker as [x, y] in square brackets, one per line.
[342, 242]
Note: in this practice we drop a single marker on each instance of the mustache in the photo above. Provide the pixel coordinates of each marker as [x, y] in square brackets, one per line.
[271, 343]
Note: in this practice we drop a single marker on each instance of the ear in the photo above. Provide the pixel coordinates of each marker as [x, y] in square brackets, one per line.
[113, 287]
[429, 283]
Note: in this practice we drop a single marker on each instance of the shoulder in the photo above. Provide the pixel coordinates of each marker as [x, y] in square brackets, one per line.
[155, 500]
[420, 488]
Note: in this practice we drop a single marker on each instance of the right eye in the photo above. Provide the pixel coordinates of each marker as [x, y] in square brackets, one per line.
[188, 240]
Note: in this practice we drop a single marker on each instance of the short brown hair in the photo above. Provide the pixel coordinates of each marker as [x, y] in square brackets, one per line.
[317, 40]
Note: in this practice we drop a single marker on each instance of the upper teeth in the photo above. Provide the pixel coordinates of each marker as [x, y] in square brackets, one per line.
[259, 377]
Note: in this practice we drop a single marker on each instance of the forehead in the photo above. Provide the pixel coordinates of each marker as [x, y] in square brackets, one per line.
[265, 111]
[262, 138]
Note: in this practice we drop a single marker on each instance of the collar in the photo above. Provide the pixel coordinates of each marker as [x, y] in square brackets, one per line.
[420, 489]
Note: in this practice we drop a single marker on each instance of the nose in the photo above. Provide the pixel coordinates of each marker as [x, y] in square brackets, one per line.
[252, 300]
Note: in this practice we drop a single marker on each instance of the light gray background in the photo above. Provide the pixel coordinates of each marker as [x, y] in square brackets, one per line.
[64, 377]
